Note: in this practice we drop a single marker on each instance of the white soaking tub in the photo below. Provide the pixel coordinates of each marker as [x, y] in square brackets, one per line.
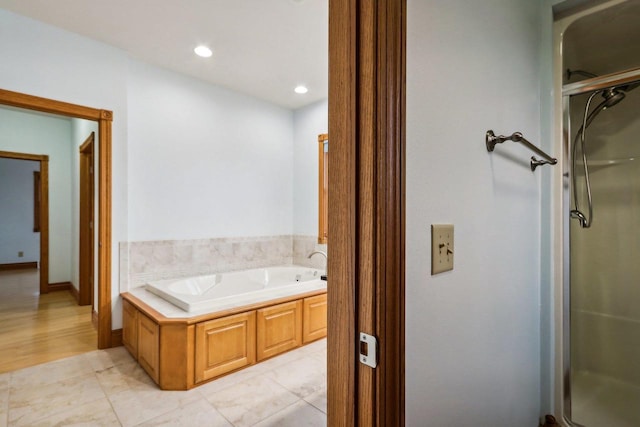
[227, 290]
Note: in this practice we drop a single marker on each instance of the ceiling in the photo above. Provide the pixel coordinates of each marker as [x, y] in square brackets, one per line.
[264, 48]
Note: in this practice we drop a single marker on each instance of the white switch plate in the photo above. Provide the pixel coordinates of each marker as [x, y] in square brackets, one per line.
[441, 248]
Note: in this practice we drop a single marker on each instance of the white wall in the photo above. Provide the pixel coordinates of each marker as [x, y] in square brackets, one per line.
[16, 212]
[53, 63]
[80, 131]
[205, 161]
[473, 334]
[308, 123]
[34, 133]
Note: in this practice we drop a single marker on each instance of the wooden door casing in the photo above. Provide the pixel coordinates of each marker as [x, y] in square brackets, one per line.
[104, 119]
[366, 210]
[86, 246]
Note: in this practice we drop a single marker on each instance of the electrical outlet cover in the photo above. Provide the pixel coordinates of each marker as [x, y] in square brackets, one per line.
[441, 248]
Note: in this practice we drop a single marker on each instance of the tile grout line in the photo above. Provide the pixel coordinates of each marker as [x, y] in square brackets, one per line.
[316, 392]
[301, 399]
[154, 416]
[107, 395]
[216, 409]
[315, 407]
[264, 377]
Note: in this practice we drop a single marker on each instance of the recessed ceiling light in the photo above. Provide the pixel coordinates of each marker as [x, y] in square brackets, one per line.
[203, 51]
[301, 89]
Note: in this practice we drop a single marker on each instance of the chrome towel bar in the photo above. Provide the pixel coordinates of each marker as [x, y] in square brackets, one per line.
[492, 139]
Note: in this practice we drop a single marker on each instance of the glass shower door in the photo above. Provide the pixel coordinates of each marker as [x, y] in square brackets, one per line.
[604, 289]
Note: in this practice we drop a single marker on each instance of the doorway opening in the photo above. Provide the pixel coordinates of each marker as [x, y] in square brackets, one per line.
[104, 120]
[41, 212]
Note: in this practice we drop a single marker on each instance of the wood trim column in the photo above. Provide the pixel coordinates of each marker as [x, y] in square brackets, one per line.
[86, 259]
[366, 217]
[366, 202]
[323, 163]
[341, 297]
[44, 226]
[104, 230]
[390, 209]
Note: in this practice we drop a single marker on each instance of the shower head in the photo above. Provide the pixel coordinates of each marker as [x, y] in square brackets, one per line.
[612, 96]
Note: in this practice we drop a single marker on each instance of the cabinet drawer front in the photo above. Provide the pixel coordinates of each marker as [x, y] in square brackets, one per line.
[315, 318]
[224, 345]
[148, 346]
[279, 329]
[130, 328]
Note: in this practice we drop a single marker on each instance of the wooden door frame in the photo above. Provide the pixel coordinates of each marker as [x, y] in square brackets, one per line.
[367, 210]
[86, 245]
[44, 212]
[104, 119]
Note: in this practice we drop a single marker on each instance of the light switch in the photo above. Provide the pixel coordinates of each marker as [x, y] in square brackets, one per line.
[441, 248]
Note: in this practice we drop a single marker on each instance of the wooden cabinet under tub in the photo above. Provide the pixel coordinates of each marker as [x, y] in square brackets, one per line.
[140, 335]
[181, 353]
[224, 345]
[279, 329]
[130, 328]
[315, 318]
[148, 345]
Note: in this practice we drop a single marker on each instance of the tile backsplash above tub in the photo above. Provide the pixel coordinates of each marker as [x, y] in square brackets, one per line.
[141, 262]
[303, 246]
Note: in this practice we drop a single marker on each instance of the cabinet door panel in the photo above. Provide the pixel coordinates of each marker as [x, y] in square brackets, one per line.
[315, 318]
[279, 329]
[224, 345]
[148, 345]
[130, 328]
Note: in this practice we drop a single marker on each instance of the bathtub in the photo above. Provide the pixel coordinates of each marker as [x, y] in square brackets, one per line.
[227, 290]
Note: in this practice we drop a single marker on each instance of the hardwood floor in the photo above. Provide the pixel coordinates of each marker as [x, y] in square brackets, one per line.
[36, 329]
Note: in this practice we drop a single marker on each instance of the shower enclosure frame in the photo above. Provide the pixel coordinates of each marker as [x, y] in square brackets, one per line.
[568, 90]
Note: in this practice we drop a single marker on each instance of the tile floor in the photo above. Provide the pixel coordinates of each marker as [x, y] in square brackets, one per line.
[108, 388]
